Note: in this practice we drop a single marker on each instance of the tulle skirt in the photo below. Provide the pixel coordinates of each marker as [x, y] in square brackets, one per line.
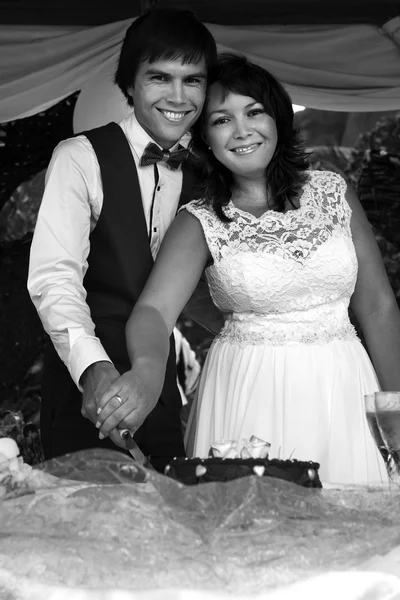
[307, 401]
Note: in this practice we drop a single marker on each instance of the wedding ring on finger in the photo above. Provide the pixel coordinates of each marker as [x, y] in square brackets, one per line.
[120, 402]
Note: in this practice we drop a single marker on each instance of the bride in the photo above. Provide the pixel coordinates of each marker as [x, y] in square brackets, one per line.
[285, 250]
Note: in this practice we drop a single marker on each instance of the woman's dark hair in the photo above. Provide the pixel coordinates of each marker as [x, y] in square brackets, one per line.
[166, 34]
[286, 173]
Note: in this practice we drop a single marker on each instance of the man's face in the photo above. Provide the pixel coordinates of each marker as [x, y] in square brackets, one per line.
[168, 97]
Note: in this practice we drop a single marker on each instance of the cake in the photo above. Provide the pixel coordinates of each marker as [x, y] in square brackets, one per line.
[231, 460]
[197, 470]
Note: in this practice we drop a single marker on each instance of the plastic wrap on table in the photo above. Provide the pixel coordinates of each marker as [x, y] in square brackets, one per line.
[92, 527]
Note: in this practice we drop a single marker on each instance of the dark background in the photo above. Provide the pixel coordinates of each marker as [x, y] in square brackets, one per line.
[224, 12]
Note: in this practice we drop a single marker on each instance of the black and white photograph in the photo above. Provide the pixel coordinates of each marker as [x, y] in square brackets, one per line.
[200, 300]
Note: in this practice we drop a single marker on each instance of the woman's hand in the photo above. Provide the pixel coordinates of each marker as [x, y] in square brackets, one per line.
[129, 400]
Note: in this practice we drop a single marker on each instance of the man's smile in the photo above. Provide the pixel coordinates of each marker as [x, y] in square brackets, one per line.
[172, 116]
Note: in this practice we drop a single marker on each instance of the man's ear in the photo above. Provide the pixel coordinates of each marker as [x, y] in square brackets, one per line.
[129, 90]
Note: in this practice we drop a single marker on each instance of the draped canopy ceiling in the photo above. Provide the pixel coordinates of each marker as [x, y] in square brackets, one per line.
[329, 55]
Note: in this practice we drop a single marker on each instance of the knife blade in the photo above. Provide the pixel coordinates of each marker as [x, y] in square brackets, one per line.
[134, 449]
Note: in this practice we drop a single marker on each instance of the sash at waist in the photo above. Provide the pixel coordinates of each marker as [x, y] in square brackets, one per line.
[318, 325]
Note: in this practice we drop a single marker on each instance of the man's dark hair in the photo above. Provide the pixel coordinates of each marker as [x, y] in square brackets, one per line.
[286, 173]
[163, 34]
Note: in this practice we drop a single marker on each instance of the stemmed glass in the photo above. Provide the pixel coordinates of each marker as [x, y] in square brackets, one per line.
[383, 417]
[374, 427]
[387, 410]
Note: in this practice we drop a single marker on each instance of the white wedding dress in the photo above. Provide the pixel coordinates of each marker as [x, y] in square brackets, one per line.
[288, 366]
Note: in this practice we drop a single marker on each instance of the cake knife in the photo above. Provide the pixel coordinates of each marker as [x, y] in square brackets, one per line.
[134, 449]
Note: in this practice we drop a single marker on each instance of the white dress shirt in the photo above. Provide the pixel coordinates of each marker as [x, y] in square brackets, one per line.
[70, 208]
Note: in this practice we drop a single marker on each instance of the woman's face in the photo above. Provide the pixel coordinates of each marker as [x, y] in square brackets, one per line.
[239, 132]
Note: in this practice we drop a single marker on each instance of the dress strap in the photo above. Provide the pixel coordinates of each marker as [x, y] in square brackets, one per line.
[329, 195]
[215, 231]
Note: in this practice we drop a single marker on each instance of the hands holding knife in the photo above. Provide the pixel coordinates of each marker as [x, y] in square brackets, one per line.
[117, 405]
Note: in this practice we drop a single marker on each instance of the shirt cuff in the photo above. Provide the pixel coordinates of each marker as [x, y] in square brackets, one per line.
[84, 353]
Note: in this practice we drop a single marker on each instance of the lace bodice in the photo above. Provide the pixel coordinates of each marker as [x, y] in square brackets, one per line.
[284, 277]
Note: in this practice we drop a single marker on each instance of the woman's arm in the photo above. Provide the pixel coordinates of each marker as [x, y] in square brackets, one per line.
[178, 268]
[373, 302]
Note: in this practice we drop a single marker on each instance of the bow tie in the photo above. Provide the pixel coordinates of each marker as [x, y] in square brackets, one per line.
[153, 154]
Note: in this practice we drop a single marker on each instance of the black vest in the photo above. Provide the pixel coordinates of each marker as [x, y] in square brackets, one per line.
[120, 259]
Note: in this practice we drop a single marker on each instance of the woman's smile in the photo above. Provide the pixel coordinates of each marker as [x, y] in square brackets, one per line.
[249, 149]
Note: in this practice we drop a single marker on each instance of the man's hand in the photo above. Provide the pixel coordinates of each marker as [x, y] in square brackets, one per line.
[97, 378]
[95, 381]
[129, 400]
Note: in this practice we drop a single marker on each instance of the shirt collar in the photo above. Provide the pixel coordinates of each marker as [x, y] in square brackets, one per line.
[138, 138]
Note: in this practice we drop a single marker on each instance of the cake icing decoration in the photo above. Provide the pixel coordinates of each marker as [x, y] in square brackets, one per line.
[253, 448]
[200, 470]
[259, 470]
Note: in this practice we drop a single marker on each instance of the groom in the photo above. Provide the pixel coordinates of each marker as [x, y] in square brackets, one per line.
[110, 195]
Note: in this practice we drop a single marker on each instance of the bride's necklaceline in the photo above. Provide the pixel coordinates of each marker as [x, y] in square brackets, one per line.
[256, 213]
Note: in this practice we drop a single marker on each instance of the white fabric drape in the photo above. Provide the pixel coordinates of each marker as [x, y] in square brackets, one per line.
[348, 68]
